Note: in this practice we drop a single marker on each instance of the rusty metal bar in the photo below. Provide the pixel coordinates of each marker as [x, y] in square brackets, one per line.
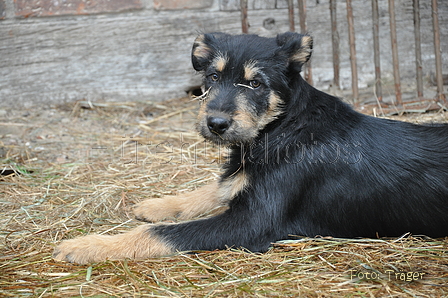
[351, 37]
[308, 71]
[438, 52]
[244, 21]
[393, 38]
[302, 15]
[335, 43]
[376, 50]
[291, 16]
[418, 49]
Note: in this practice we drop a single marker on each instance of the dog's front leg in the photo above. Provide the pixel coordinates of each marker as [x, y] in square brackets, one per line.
[186, 206]
[241, 226]
[138, 243]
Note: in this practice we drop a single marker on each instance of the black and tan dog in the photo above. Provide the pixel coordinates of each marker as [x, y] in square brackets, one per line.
[301, 163]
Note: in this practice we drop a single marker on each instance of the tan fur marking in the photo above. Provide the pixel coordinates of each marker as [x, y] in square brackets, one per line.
[186, 206]
[250, 70]
[244, 118]
[220, 63]
[201, 49]
[135, 244]
[304, 52]
[273, 111]
[230, 187]
[245, 125]
[306, 41]
[200, 38]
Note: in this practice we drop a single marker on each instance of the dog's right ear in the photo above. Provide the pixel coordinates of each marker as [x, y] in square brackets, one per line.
[202, 51]
[297, 47]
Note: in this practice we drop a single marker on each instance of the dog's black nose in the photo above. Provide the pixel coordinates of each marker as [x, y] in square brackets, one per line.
[218, 124]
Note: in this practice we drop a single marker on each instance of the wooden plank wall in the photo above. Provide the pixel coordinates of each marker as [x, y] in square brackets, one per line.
[140, 55]
[144, 54]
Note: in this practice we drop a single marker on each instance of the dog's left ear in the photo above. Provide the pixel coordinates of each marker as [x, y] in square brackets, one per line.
[298, 47]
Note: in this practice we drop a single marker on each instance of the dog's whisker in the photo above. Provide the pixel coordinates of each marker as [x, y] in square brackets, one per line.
[242, 85]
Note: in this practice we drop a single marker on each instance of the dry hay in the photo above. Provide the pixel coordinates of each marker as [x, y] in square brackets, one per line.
[78, 169]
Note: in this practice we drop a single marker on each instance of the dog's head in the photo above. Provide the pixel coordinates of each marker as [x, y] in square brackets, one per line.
[246, 81]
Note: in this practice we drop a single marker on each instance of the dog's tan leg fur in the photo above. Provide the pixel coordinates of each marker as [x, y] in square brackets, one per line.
[211, 198]
[138, 243]
[185, 206]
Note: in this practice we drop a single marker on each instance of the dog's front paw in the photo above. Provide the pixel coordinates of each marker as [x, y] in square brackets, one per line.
[81, 250]
[155, 210]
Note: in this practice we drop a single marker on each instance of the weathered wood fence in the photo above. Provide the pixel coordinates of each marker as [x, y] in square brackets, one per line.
[115, 50]
[441, 98]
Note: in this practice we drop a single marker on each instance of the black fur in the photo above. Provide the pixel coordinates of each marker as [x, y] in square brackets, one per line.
[319, 167]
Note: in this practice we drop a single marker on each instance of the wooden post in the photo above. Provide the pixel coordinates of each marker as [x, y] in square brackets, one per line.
[376, 50]
[335, 44]
[291, 15]
[353, 65]
[418, 49]
[302, 15]
[393, 38]
[437, 50]
[244, 22]
[308, 71]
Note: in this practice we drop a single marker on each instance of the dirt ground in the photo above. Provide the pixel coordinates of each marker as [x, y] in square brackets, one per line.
[78, 168]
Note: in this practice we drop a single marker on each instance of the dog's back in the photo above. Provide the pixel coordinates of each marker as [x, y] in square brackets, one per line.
[367, 177]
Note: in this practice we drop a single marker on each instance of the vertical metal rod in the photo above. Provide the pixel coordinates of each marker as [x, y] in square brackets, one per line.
[291, 16]
[351, 37]
[302, 15]
[393, 38]
[418, 49]
[335, 43]
[437, 50]
[376, 50]
[244, 22]
[308, 71]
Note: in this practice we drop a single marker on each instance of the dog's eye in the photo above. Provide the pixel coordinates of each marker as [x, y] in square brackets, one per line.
[214, 77]
[254, 83]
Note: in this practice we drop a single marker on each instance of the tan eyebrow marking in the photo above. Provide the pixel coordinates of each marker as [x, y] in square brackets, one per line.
[250, 70]
[220, 62]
